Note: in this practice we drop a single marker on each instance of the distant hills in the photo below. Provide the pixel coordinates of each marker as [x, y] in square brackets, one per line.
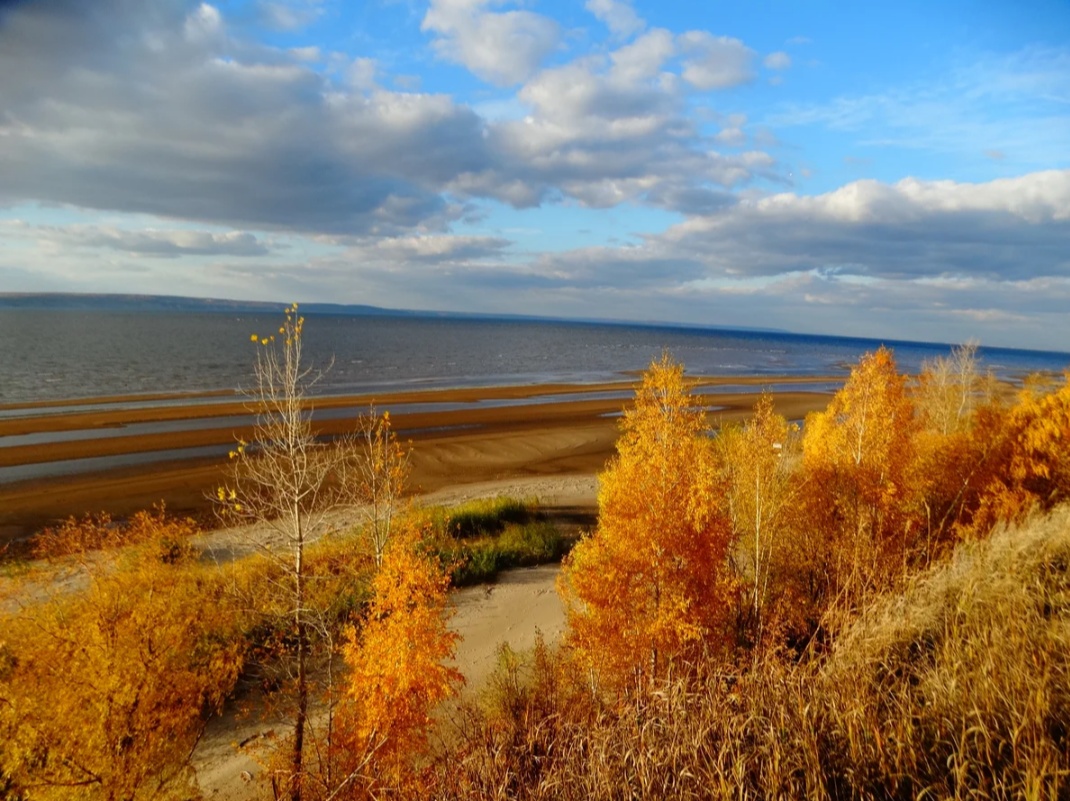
[69, 301]
[63, 301]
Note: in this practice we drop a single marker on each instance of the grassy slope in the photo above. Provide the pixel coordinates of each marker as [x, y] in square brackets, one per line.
[958, 687]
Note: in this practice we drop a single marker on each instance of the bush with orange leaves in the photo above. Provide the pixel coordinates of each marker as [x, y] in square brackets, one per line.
[398, 674]
[107, 679]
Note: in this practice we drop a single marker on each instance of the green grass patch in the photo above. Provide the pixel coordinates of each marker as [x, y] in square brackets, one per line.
[479, 560]
[480, 518]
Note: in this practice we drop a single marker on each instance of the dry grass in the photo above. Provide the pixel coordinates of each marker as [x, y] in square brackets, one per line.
[958, 687]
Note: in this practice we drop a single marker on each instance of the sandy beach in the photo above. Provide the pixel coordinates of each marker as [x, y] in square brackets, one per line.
[458, 436]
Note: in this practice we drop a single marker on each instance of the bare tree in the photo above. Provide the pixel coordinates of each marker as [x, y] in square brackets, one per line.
[286, 483]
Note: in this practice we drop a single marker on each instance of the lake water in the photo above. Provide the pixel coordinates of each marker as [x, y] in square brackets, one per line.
[50, 355]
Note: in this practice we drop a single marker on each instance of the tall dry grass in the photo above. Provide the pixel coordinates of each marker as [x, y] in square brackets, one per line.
[957, 687]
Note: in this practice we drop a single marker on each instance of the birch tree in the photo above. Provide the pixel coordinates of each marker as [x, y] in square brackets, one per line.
[857, 455]
[757, 460]
[382, 473]
[286, 484]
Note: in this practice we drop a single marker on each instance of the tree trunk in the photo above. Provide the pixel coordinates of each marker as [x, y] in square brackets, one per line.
[297, 766]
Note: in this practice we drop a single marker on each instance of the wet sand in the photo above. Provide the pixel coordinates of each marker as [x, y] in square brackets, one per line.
[551, 430]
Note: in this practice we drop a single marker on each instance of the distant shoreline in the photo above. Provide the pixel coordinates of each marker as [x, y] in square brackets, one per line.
[63, 301]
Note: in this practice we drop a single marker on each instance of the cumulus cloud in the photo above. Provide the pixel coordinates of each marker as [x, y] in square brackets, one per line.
[930, 242]
[503, 48]
[288, 15]
[716, 62]
[438, 249]
[161, 109]
[149, 108]
[644, 58]
[1004, 229]
[733, 137]
[618, 16]
[611, 129]
[1000, 275]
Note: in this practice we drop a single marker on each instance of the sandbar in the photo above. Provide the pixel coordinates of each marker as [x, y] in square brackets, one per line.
[571, 434]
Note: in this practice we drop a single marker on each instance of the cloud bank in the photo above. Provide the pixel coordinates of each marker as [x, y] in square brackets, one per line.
[190, 151]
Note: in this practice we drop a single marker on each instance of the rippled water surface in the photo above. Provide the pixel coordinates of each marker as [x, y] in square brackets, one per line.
[48, 355]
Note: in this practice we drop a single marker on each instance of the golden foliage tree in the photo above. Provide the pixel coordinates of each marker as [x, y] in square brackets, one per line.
[398, 674]
[105, 686]
[857, 456]
[1032, 469]
[758, 461]
[649, 589]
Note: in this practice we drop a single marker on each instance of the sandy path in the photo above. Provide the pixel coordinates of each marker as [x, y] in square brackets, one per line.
[522, 604]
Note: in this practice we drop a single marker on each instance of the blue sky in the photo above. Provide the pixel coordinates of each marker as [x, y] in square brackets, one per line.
[894, 170]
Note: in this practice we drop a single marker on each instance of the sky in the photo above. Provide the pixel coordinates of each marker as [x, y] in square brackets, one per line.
[889, 170]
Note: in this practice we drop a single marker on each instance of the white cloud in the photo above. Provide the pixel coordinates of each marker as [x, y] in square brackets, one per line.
[618, 16]
[361, 73]
[311, 53]
[990, 315]
[609, 130]
[288, 15]
[432, 248]
[144, 242]
[251, 136]
[1004, 229]
[643, 59]
[204, 24]
[121, 111]
[733, 137]
[503, 48]
[716, 62]
[777, 61]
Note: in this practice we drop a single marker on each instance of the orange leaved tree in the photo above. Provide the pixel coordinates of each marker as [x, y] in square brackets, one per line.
[857, 456]
[961, 442]
[648, 589]
[759, 463]
[398, 674]
[1033, 468]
